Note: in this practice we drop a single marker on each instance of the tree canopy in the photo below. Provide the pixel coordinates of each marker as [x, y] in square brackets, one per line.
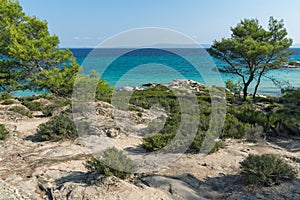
[26, 47]
[30, 57]
[253, 50]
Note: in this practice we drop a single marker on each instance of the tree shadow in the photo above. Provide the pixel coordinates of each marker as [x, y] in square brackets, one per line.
[224, 187]
[87, 178]
[34, 138]
[289, 144]
[189, 187]
[223, 183]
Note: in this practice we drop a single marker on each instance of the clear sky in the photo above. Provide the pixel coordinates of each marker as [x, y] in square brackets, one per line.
[85, 23]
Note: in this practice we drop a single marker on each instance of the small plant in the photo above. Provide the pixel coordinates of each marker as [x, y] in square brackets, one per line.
[219, 145]
[5, 96]
[139, 114]
[21, 110]
[3, 132]
[266, 170]
[113, 163]
[157, 141]
[58, 104]
[233, 128]
[33, 105]
[58, 128]
[8, 102]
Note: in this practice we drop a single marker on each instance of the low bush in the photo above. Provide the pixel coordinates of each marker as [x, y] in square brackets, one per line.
[266, 170]
[58, 104]
[33, 105]
[5, 96]
[7, 102]
[218, 145]
[3, 132]
[113, 163]
[58, 128]
[157, 141]
[21, 110]
[233, 128]
[247, 114]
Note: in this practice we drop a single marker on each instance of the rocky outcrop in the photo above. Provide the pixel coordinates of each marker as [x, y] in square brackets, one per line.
[8, 192]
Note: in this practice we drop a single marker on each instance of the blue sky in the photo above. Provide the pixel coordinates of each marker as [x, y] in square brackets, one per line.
[80, 23]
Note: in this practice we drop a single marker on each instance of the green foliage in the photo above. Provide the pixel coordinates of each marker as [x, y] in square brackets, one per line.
[33, 105]
[219, 145]
[198, 140]
[236, 88]
[27, 48]
[157, 141]
[21, 110]
[248, 114]
[113, 163]
[60, 127]
[103, 91]
[285, 119]
[58, 81]
[252, 50]
[266, 170]
[58, 104]
[290, 96]
[3, 132]
[5, 96]
[233, 128]
[7, 102]
[91, 87]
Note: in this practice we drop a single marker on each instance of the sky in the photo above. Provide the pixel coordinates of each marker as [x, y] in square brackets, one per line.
[86, 23]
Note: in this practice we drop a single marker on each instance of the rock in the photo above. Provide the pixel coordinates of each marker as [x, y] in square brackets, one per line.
[12, 116]
[10, 193]
[125, 89]
[149, 85]
[112, 133]
[177, 188]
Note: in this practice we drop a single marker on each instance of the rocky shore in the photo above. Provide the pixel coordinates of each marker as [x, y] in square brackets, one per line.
[30, 169]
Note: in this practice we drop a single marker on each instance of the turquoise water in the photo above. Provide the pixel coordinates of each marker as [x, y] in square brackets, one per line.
[155, 66]
[148, 66]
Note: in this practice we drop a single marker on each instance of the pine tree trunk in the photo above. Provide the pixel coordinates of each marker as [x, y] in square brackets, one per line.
[258, 82]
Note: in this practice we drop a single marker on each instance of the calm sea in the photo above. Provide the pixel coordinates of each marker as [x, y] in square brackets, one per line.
[124, 67]
[155, 66]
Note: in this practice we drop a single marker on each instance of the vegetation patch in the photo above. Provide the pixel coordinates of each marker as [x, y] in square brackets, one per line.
[266, 170]
[3, 132]
[21, 110]
[113, 163]
[7, 102]
[33, 105]
[58, 128]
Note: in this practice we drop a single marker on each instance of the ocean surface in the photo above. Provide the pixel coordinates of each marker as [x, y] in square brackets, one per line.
[125, 67]
[129, 67]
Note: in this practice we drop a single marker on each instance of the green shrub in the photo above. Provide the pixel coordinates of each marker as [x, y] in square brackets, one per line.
[233, 128]
[21, 110]
[219, 145]
[197, 142]
[266, 170]
[33, 105]
[8, 102]
[157, 141]
[58, 128]
[248, 114]
[3, 132]
[5, 96]
[60, 103]
[113, 163]
[236, 88]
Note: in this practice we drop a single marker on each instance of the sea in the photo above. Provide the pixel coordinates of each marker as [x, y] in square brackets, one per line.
[136, 67]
